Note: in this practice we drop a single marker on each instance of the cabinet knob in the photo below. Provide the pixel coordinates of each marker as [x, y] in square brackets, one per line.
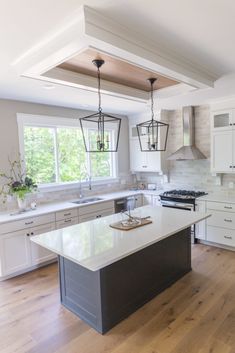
[28, 235]
[230, 166]
[231, 124]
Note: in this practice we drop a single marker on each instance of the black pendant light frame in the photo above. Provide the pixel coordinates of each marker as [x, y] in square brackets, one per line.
[100, 118]
[152, 128]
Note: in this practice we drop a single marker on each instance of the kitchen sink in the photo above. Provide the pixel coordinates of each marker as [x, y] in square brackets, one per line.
[90, 200]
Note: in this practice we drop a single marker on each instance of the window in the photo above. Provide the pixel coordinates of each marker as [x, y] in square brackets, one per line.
[53, 151]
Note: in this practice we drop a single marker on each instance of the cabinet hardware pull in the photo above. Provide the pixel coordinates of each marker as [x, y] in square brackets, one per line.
[27, 223]
[230, 166]
[228, 237]
[228, 207]
[28, 234]
[67, 220]
[227, 220]
[31, 233]
[231, 124]
[67, 214]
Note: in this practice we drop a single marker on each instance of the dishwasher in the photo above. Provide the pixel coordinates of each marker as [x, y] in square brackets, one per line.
[125, 204]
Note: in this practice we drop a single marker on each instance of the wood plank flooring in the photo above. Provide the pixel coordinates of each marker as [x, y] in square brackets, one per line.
[195, 315]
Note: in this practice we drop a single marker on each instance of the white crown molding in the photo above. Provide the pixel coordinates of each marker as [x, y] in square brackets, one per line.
[91, 29]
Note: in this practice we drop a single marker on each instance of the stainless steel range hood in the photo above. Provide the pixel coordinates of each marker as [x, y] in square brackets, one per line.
[188, 151]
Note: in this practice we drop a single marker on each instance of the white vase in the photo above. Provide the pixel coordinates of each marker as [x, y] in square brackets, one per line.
[22, 203]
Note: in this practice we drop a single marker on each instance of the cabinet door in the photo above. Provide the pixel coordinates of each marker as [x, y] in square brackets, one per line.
[15, 252]
[138, 159]
[138, 201]
[38, 253]
[222, 120]
[147, 200]
[222, 152]
[200, 228]
[156, 200]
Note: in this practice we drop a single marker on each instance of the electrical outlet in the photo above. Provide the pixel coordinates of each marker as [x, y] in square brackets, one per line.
[231, 185]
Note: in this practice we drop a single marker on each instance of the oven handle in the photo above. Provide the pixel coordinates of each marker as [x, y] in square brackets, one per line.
[177, 204]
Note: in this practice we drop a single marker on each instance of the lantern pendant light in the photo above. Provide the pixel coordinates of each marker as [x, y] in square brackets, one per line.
[100, 130]
[152, 134]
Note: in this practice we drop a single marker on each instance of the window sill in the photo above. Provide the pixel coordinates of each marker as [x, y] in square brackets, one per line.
[75, 185]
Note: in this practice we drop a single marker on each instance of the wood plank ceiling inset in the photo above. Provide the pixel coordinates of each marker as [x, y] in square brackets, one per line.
[115, 70]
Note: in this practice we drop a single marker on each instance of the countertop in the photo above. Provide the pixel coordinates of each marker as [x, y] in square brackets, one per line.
[218, 197]
[6, 217]
[94, 244]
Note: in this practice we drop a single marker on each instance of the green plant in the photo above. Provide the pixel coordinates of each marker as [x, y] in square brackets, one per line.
[16, 182]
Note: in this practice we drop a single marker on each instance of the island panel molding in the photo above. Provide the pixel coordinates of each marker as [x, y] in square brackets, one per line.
[105, 297]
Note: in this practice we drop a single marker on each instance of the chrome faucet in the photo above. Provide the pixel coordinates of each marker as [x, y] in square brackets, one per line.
[88, 178]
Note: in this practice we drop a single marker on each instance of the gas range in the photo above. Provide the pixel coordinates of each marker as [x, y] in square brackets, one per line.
[188, 196]
[184, 200]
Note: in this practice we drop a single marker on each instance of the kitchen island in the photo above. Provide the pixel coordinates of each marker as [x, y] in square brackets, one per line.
[106, 274]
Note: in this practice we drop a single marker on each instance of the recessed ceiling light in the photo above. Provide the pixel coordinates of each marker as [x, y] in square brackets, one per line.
[48, 86]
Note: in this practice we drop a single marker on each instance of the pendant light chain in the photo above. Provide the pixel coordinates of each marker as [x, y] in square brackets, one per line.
[152, 103]
[99, 94]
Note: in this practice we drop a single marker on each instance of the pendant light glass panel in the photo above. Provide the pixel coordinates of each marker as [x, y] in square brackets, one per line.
[152, 134]
[100, 130]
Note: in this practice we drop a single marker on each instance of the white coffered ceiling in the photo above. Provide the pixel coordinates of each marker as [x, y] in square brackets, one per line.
[200, 32]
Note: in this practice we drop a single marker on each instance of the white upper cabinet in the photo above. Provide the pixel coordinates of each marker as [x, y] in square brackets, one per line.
[222, 152]
[223, 120]
[144, 161]
[223, 141]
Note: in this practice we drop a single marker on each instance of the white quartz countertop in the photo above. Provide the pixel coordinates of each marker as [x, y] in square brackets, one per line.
[58, 206]
[229, 198]
[95, 244]
[12, 216]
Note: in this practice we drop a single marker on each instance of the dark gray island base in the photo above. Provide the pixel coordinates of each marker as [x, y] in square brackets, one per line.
[105, 297]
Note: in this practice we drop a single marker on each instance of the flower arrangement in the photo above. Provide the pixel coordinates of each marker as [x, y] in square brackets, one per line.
[16, 183]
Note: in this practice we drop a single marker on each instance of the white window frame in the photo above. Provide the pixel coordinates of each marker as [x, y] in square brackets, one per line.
[55, 122]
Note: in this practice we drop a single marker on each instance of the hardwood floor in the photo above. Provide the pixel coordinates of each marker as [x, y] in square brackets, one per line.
[195, 315]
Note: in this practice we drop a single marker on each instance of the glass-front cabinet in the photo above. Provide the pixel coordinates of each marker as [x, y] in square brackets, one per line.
[223, 120]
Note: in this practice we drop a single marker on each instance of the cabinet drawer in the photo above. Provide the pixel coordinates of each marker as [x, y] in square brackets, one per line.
[70, 213]
[221, 235]
[221, 206]
[92, 216]
[67, 222]
[27, 223]
[96, 208]
[222, 219]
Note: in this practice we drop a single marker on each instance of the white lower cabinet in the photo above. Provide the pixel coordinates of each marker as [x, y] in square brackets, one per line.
[96, 215]
[156, 200]
[38, 253]
[15, 252]
[138, 201]
[147, 200]
[221, 235]
[221, 225]
[66, 223]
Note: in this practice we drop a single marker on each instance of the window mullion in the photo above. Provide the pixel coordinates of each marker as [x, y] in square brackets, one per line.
[57, 167]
